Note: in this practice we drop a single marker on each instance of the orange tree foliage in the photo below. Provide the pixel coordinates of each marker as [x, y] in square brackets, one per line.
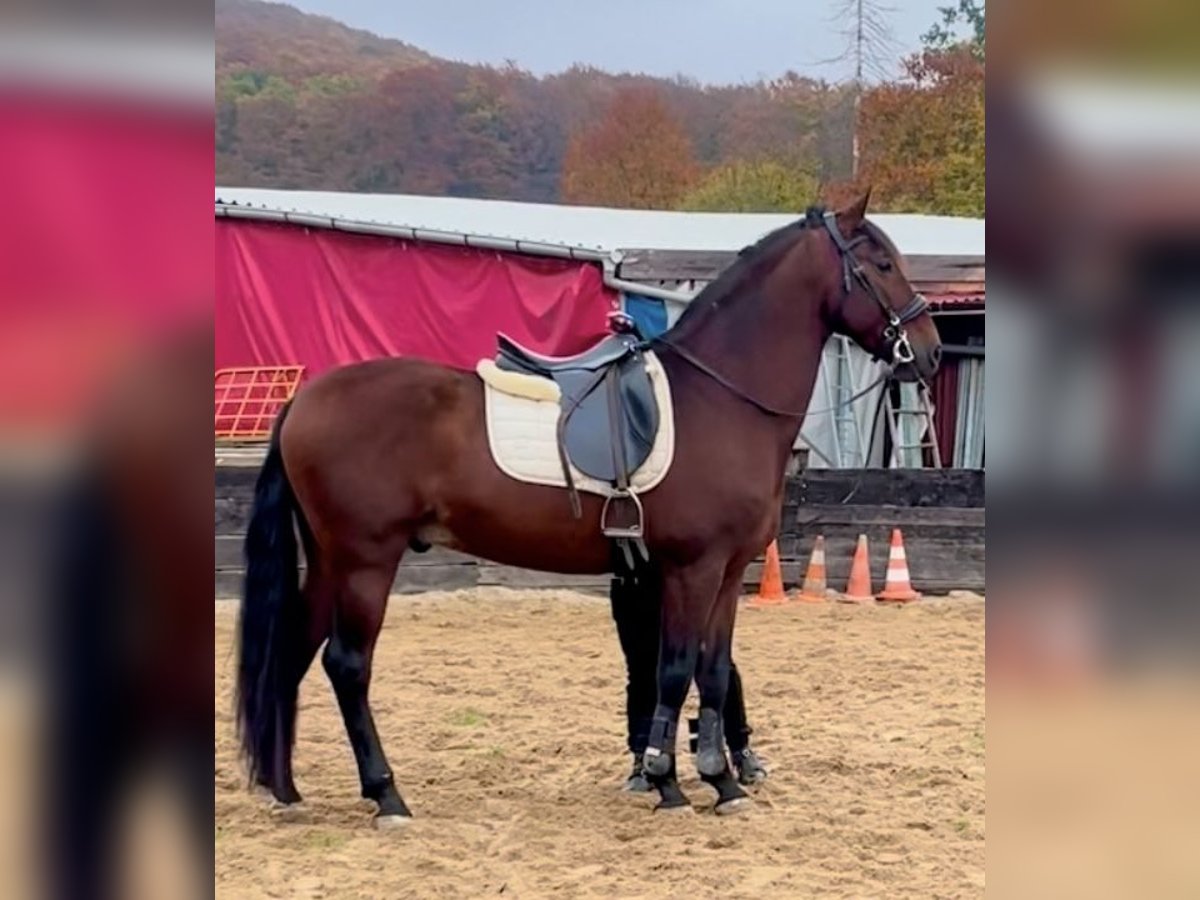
[923, 139]
[305, 102]
[636, 156]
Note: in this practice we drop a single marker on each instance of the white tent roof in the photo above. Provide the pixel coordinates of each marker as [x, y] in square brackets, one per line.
[588, 228]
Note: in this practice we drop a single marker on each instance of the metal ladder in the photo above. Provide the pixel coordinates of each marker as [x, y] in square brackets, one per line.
[909, 455]
[839, 389]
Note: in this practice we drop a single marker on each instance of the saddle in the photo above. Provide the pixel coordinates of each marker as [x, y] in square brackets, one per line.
[608, 421]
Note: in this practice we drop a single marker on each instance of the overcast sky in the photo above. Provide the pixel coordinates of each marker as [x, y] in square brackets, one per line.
[715, 41]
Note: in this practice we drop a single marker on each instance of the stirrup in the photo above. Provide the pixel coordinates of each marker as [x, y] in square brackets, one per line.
[629, 516]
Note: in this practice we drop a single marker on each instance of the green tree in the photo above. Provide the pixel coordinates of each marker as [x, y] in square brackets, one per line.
[923, 137]
[266, 122]
[943, 35]
[759, 186]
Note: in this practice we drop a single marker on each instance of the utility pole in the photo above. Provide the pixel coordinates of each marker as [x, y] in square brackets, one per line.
[871, 50]
[858, 81]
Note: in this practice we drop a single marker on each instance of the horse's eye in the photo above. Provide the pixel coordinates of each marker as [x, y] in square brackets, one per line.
[884, 265]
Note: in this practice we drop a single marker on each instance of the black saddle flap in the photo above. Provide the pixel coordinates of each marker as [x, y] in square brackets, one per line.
[589, 432]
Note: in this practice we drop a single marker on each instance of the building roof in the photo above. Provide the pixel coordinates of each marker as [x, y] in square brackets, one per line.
[960, 301]
[593, 230]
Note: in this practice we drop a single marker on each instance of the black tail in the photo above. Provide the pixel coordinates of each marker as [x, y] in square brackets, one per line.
[266, 696]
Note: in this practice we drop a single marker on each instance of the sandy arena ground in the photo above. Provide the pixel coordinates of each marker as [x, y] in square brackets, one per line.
[871, 721]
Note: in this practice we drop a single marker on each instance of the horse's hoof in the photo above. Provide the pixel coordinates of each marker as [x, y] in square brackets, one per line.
[734, 806]
[392, 823]
[675, 809]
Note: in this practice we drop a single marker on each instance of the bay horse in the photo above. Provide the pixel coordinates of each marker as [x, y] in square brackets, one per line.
[377, 457]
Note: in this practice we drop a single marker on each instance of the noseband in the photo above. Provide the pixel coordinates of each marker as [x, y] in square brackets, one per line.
[893, 332]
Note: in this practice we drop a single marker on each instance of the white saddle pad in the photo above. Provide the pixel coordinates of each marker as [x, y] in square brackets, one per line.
[521, 436]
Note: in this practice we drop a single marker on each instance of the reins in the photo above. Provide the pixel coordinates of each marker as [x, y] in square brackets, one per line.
[697, 363]
[882, 378]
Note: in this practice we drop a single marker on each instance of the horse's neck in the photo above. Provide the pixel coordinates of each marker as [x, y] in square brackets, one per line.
[770, 349]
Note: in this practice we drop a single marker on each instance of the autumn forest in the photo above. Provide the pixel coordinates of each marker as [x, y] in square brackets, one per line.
[304, 102]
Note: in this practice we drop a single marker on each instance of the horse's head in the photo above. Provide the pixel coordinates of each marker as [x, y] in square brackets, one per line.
[870, 298]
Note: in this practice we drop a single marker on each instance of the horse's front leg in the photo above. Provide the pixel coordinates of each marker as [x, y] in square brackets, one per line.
[712, 682]
[688, 594]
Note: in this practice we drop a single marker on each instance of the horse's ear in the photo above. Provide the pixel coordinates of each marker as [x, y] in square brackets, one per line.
[850, 218]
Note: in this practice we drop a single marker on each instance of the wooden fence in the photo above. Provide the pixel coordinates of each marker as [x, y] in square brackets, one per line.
[941, 513]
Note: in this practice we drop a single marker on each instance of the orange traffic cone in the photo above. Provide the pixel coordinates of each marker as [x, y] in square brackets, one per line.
[813, 590]
[897, 588]
[770, 590]
[858, 589]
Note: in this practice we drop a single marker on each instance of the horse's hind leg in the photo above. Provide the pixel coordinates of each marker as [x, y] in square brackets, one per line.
[712, 681]
[358, 616]
[688, 595]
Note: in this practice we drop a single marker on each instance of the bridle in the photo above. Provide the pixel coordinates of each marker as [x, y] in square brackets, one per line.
[901, 348]
[893, 332]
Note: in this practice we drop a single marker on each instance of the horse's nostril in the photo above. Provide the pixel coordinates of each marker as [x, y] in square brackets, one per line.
[935, 355]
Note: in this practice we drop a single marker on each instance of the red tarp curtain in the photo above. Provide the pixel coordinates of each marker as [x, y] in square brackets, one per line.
[321, 298]
[102, 253]
[945, 408]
